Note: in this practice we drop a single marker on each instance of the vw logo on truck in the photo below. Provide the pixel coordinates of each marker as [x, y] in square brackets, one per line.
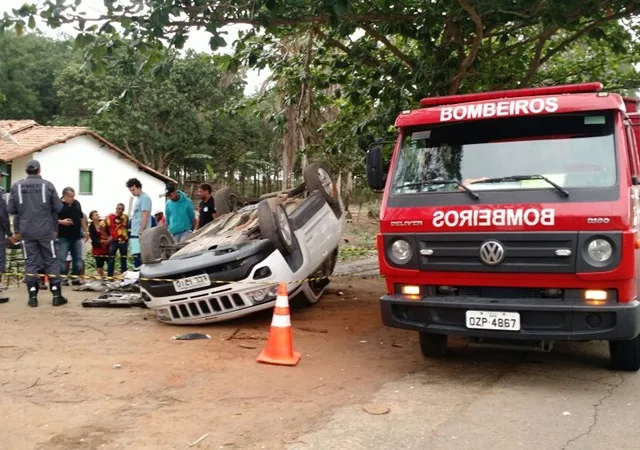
[492, 253]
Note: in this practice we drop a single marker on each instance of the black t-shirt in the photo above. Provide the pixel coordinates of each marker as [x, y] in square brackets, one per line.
[206, 212]
[73, 212]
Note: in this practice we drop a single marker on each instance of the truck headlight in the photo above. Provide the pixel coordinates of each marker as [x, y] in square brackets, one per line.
[401, 251]
[599, 250]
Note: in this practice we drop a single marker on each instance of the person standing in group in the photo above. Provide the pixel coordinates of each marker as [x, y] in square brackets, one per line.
[207, 207]
[35, 205]
[5, 230]
[116, 227]
[180, 215]
[140, 220]
[72, 229]
[99, 241]
[160, 220]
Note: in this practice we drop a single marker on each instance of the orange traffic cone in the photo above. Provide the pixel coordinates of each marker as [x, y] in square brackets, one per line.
[279, 349]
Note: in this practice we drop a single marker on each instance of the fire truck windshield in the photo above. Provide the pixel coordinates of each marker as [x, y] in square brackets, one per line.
[570, 150]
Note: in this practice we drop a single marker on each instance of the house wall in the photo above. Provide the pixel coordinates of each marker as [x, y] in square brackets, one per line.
[61, 164]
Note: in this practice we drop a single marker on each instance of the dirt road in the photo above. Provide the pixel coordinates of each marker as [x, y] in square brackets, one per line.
[74, 377]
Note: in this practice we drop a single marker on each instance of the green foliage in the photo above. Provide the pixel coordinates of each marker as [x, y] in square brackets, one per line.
[342, 70]
[27, 68]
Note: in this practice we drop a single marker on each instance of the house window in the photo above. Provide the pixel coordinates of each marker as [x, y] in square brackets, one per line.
[86, 182]
[6, 181]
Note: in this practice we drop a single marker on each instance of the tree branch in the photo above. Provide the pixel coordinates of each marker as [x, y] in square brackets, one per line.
[475, 47]
[536, 61]
[592, 26]
[339, 45]
[392, 48]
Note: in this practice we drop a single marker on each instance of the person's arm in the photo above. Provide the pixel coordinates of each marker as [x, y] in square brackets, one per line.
[145, 208]
[95, 236]
[56, 205]
[192, 215]
[4, 216]
[12, 208]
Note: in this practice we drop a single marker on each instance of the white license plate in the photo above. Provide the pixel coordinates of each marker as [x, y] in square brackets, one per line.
[493, 320]
[194, 282]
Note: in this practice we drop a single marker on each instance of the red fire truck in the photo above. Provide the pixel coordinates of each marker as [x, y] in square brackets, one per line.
[511, 218]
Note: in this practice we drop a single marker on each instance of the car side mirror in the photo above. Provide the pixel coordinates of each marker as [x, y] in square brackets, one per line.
[375, 168]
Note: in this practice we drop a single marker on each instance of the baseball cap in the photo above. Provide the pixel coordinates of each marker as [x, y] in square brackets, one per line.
[157, 212]
[169, 189]
[33, 164]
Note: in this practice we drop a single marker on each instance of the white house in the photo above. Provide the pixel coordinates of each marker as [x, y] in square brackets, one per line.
[77, 157]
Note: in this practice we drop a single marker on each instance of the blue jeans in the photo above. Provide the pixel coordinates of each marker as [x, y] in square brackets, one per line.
[74, 246]
[114, 248]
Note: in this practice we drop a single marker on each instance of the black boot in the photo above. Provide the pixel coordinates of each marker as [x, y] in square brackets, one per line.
[33, 295]
[58, 299]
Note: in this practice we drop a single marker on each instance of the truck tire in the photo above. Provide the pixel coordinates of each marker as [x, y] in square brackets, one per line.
[275, 225]
[317, 178]
[625, 355]
[225, 200]
[153, 245]
[433, 345]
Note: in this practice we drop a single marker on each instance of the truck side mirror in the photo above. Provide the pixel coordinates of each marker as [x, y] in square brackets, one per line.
[375, 168]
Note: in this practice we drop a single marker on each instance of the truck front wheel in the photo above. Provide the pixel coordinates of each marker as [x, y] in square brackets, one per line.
[433, 345]
[625, 355]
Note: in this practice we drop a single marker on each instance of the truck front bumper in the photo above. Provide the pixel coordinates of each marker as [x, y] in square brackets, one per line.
[539, 319]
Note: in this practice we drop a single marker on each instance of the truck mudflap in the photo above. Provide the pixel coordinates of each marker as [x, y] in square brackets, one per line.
[538, 320]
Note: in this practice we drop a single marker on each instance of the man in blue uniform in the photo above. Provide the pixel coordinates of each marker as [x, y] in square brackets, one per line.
[35, 205]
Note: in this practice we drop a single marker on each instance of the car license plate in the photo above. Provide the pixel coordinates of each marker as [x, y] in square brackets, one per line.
[194, 282]
[493, 320]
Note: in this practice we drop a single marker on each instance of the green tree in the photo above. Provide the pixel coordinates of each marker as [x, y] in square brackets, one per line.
[28, 65]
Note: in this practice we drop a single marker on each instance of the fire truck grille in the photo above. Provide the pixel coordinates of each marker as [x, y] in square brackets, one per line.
[514, 252]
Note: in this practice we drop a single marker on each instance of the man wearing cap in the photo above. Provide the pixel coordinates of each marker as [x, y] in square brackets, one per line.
[180, 215]
[35, 205]
[5, 230]
[159, 215]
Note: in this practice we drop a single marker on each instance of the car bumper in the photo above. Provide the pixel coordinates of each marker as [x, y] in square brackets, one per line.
[540, 319]
[217, 303]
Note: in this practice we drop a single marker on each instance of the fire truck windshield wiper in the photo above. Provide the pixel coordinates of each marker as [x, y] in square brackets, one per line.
[429, 182]
[558, 188]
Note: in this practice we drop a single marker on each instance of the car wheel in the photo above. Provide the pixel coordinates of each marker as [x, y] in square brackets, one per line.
[433, 345]
[225, 200]
[275, 225]
[625, 355]
[317, 178]
[155, 245]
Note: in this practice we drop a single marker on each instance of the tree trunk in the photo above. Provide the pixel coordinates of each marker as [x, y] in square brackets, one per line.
[347, 194]
[339, 184]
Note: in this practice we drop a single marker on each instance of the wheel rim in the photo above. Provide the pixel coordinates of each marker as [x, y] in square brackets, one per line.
[285, 228]
[325, 181]
[165, 252]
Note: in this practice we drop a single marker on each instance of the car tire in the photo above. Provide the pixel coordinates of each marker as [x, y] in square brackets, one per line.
[433, 345]
[275, 225]
[625, 355]
[317, 178]
[153, 245]
[225, 200]
[320, 280]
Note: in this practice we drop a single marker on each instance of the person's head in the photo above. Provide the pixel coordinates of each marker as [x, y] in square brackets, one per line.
[135, 187]
[68, 195]
[33, 167]
[94, 216]
[158, 215]
[204, 190]
[171, 192]
[119, 209]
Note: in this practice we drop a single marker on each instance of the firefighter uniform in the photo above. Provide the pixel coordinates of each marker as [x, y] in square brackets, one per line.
[35, 205]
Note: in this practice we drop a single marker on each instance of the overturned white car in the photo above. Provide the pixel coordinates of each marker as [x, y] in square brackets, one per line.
[231, 267]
